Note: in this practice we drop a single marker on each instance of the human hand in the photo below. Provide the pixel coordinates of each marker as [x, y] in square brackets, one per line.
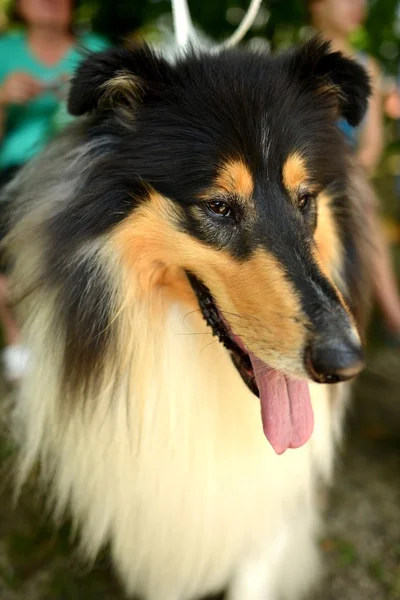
[19, 88]
[392, 105]
[58, 87]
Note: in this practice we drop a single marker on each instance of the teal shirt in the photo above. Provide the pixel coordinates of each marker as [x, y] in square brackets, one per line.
[353, 133]
[350, 132]
[28, 127]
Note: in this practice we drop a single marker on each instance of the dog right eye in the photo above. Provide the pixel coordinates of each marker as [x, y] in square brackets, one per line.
[220, 208]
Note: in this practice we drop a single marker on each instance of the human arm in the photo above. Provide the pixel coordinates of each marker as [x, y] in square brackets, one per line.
[371, 138]
[17, 88]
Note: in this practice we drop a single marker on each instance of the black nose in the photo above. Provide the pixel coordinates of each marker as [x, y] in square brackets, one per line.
[334, 359]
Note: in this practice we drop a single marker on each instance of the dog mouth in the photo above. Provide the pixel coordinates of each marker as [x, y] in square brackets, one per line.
[286, 410]
[212, 316]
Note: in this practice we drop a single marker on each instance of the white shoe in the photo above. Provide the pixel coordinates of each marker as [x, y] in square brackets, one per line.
[15, 361]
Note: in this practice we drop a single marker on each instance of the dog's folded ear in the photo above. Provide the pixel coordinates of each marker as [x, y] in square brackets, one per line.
[117, 77]
[333, 73]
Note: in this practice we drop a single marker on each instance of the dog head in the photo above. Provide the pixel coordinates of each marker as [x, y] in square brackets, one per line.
[230, 168]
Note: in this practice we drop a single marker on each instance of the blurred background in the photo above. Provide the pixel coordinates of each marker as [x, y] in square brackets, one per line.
[362, 542]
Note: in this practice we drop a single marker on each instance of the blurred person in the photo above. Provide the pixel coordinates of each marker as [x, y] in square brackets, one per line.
[392, 101]
[35, 63]
[336, 20]
[392, 107]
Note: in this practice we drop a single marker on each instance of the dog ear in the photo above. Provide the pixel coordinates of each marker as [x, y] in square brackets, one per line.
[115, 77]
[332, 72]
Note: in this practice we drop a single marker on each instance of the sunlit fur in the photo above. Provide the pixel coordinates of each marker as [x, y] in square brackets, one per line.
[143, 428]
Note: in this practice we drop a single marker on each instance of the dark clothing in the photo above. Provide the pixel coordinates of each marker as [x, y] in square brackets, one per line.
[6, 175]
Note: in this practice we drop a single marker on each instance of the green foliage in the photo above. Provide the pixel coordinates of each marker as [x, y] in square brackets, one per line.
[284, 23]
[381, 34]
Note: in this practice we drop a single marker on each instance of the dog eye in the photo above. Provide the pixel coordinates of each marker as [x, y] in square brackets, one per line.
[220, 208]
[304, 199]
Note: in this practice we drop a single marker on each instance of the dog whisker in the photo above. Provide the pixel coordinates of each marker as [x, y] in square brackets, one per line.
[197, 333]
[208, 345]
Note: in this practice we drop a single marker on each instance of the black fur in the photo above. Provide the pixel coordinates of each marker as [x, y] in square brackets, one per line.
[314, 63]
[86, 304]
[154, 73]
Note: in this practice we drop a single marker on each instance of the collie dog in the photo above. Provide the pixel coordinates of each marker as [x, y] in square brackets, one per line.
[190, 268]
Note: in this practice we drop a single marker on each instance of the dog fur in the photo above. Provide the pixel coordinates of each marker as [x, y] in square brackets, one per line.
[142, 426]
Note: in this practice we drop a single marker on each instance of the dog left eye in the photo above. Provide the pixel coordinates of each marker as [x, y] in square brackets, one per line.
[220, 208]
[304, 199]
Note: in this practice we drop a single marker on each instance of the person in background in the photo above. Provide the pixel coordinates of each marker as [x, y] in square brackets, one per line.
[392, 108]
[36, 61]
[336, 20]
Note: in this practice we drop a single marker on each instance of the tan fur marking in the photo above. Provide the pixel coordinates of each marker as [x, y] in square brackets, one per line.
[123, 85]
[331, 88]
[329, 255]
[259, 289]
[333, 93]
[326, 236]
[234, 178]
[294, 172]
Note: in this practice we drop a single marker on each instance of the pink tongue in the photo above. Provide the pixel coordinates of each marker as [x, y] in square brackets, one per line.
[286, 410]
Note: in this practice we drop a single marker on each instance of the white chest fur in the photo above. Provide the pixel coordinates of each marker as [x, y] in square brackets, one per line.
[173, 469]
